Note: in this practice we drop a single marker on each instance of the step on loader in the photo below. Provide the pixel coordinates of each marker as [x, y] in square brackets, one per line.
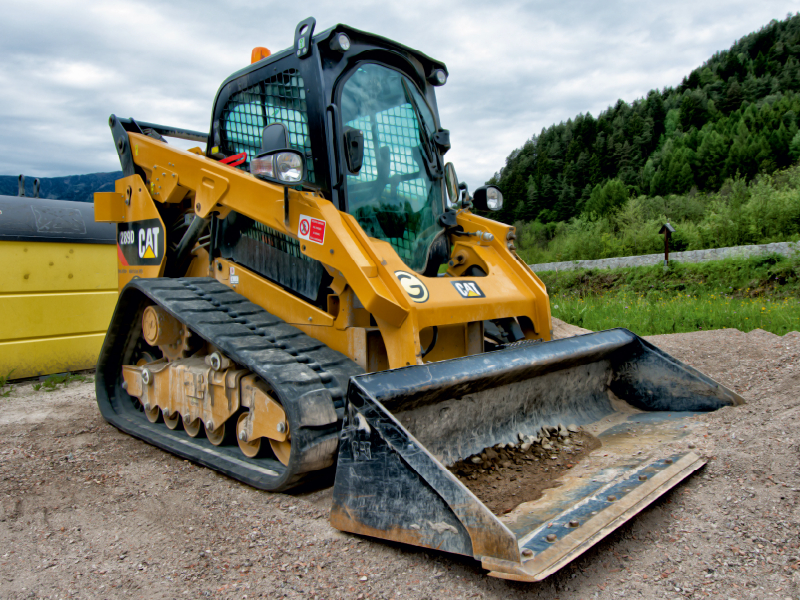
[316, 291]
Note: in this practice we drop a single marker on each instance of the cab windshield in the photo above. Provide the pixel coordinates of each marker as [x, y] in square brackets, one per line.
[397, 195]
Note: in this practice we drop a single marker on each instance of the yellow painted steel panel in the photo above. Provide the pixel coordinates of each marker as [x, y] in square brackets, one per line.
[57, 267]
[29, 358]
[28, 316]
[56, 301]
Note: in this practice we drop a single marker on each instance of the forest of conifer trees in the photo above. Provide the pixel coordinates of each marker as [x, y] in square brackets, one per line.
[736, 116]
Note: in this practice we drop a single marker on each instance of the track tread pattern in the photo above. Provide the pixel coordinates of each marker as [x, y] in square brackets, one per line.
[309, 378]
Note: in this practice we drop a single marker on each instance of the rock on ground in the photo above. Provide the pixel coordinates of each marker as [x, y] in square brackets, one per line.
[89, 512]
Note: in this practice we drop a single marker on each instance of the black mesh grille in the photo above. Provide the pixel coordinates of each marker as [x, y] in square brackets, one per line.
[276, 239]
[276, 257]
[279, 99]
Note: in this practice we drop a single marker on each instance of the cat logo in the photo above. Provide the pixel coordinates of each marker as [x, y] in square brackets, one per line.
[148, 242]
[415, 289]
[468, 289]
[141, 243]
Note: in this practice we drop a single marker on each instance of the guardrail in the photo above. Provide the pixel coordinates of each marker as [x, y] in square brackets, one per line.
[690, 256]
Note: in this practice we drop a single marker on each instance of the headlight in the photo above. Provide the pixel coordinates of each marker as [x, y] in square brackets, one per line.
[487, 197]
[284, 166]
[438, 77]
[494, 199]
[290, 168]
[340, 42]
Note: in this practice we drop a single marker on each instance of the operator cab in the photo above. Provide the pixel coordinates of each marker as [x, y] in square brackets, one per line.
[362, 111]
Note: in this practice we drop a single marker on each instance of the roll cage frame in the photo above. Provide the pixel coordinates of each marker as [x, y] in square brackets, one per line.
[324, 70]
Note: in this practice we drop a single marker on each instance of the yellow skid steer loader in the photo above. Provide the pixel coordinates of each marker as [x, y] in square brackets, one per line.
[316, 291]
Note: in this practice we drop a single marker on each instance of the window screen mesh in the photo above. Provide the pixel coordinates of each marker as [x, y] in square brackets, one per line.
[397, 129]
[279, 99]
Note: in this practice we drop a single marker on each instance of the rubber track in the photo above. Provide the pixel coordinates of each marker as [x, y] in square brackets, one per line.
[308, 378]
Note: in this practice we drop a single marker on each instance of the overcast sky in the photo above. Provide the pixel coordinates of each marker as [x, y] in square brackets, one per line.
[515, 67]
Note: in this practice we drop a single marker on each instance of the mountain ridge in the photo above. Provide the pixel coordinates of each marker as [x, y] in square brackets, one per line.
[77, 188]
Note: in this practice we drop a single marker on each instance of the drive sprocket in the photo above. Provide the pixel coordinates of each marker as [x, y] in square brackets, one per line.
[161, 329]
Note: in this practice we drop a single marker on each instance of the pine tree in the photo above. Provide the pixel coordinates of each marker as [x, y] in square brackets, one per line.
[685, 180]
[711, 160]
[733, 97]
[692, 113]
[794, 147]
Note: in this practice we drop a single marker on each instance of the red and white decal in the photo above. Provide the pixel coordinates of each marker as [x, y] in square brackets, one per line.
[311, 229]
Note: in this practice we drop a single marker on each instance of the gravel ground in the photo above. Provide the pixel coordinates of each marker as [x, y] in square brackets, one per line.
[86, 511]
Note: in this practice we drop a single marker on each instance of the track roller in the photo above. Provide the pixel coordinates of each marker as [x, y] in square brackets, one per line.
[249, 449]
[193, 428]
[172, 420]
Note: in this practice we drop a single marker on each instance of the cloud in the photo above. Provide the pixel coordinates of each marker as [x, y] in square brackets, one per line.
[515, 67]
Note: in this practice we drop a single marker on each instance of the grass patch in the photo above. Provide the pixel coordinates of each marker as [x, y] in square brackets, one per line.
[4, 393]
[746, 294]
[679, 313]
[51, 383]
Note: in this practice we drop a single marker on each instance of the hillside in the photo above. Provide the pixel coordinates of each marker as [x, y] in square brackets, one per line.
[78, 188]
[736, 113]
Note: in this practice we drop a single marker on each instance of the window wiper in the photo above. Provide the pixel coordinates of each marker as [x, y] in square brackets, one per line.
[424, 136]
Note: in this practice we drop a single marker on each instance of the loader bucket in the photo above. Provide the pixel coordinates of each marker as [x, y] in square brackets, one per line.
[404, 427]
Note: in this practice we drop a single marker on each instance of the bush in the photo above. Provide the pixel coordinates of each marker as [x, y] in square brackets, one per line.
[762, 211]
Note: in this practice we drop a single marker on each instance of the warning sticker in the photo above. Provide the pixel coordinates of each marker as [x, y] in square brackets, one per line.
[311, 229]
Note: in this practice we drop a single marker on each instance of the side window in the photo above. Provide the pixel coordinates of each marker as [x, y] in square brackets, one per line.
[398, 129]
[393, 197]
[279, 99]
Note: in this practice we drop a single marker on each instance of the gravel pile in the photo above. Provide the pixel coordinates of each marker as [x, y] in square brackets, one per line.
[506, 475]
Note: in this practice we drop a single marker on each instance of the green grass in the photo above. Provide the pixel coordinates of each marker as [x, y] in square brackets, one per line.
[63, 379]
[745, 294]
[4, 393]
[679, 313]
[771, 275]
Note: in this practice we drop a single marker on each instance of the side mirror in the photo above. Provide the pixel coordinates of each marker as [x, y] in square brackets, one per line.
[354, 149]
[451, 183]
[488, 197]
[274, 137]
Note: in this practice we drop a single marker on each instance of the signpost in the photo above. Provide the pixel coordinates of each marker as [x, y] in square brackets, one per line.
[667, 230]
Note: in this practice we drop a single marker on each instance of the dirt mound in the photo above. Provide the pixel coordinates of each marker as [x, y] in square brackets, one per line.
[507, 475]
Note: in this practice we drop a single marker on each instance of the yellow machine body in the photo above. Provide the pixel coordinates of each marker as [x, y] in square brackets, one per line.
[364, 270]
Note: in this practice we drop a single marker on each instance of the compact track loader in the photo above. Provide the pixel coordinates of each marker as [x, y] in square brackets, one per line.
[315, 290]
